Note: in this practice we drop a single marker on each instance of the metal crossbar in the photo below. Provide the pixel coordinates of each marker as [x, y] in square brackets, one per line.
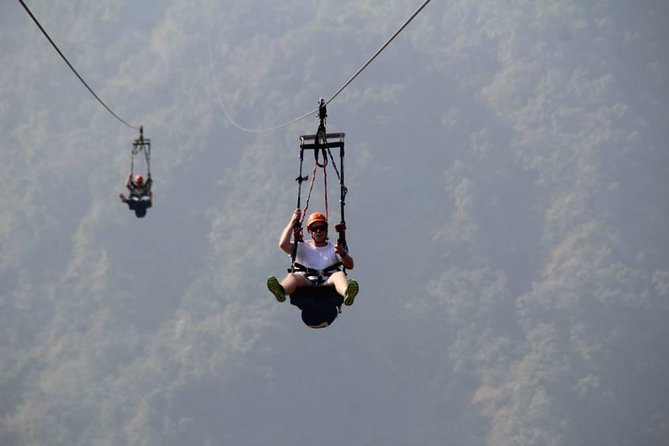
[308, 142]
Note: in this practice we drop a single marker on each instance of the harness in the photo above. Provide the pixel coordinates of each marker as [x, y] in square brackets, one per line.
[321, 143]
[141, 145]
[316, 276]
[137, 193]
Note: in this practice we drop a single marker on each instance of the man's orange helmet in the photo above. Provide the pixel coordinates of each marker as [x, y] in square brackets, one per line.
[139, 180]
[316, 217]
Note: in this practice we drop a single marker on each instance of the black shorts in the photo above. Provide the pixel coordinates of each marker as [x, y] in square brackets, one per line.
[319, 304]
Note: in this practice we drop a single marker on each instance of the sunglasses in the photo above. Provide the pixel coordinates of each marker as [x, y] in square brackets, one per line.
[319, 228]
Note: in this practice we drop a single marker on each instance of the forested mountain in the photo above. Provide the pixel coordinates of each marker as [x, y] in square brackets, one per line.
[507, 168]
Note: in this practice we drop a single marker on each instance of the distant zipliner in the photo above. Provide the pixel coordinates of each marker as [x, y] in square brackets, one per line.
[140, 196]
[317, 282]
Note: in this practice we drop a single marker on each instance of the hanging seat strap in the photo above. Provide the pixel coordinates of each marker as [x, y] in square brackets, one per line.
[320, 276]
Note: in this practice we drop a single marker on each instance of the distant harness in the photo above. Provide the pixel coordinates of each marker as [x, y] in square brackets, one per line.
[141, 145]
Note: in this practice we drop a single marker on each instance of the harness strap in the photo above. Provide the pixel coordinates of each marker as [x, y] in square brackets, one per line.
[325, 188]
[321, 274]
[141, 145]
[330, 269]
[311, 188]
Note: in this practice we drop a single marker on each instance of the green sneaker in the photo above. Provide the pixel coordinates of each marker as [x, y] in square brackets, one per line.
[275, 287]
[351, 292]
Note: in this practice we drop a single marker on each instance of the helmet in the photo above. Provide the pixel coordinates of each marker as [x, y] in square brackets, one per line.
[139, 179]
[316, 217]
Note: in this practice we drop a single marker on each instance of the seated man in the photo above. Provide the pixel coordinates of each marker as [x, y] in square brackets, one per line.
[140, 197]
[317, 262]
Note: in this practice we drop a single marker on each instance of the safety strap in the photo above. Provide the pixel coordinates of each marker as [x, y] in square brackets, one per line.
[141, 145]
[321, 144]
[311, 188]
[321, 274]
[330, 269]
[325, 189]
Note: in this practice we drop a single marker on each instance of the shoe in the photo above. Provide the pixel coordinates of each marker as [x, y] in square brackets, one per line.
[351, 291]
[275, 287]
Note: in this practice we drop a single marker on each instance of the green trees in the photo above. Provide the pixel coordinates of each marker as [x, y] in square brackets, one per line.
[506, 211]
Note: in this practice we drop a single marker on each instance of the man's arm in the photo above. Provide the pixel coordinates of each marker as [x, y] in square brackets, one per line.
[284, 241]
[346, 259]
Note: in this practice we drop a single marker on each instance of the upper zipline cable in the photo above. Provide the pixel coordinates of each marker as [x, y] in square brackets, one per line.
[343, 87]
[246, 129]
[383, 47]
[71, 67]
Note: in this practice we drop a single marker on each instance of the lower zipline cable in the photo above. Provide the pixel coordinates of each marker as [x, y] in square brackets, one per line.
[232, 120]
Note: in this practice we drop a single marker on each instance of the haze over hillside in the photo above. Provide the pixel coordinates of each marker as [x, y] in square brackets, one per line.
[507, 168]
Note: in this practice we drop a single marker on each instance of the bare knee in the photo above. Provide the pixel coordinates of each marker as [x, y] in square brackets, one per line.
[294, 281]
[337, 277]
[339, 280]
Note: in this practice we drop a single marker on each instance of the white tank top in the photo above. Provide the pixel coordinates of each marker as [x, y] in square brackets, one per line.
[316, 257]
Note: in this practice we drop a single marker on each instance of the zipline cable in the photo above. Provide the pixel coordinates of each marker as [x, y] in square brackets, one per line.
[71, 67]
[383, 47]
[231, 119]
[343, 87]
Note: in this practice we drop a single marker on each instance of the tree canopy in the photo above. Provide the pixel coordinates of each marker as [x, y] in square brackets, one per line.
[507, 173]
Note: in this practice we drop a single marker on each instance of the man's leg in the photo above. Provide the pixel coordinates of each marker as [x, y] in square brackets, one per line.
[345, 287]
[294, 281]
[339, 280]
[287, 286]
